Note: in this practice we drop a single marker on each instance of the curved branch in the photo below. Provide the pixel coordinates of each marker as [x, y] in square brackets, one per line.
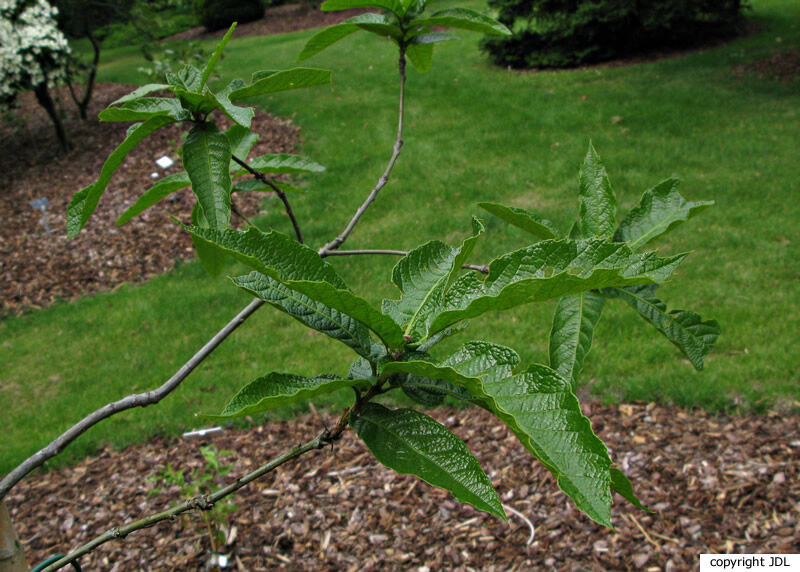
[203, 502]
[398, 145]
[129, 402]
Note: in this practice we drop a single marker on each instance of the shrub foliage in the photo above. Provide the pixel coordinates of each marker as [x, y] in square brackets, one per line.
[565, 33]
[218, 14]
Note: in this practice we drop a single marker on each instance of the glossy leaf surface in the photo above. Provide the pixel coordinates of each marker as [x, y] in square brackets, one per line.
[282, 163]
[571, 335]
[144, 108]
[337, 5]
[206, 158]
[313, 314]
[278, 389]
[598, 202]
[160, 190]
[463, 19]
[686, 330]
[295, 78]
[546, 270]
[412, 443]
[661, 209]
[524, 219]
[84, 202]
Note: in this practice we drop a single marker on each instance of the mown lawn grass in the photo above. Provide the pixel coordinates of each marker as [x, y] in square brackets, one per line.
[474, 133]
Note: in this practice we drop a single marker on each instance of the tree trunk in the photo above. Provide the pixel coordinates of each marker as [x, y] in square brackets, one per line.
[44, 99]
[12, 558]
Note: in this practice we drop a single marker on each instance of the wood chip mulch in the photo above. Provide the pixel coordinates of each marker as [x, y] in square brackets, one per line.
[37, 268]
[717, 484]
[783, 66]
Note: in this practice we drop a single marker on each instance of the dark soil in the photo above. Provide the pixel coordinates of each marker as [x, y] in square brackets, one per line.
[716, 484]
[783, 66]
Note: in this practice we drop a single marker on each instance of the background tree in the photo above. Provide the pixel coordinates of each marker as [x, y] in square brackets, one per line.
[564, 33]
[33, 56]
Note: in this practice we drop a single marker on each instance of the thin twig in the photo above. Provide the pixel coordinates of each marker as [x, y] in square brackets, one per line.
[129, 402]
[238, 213]
[203, 502]
[398, 145]
[278, 191]
[643, 531]
[527, 521]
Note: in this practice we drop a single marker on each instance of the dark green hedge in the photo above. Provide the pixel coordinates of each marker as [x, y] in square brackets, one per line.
[564, 33]
[218, 14]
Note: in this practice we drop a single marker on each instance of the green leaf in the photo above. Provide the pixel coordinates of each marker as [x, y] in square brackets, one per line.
[542, 411]
[140, 92]
[256, 186]
[686, 330]
[546, 270]
[84, 202]
[524, 219]
[598, 202]
[623, 487]
[216, 55]
[421, 56]
[206, 157]
[211, 257]
[301, 269]
[463, 19]
[377, 24]
[295, 78]
[240, 140]
[431, 392]
[158, 191]
[433, 38]
[325, 38]
[414, 444]
[313, 314]
[574, 321]
[241, 115]
[279, 389]
[337, 5]
[189, 78]
[282, 163]
[423, 277]
[660, 210]
[144, 108]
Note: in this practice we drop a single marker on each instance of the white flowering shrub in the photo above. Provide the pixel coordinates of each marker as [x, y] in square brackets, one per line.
[33, 51]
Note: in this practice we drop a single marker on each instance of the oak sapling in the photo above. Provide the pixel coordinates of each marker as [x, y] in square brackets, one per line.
[395, 344]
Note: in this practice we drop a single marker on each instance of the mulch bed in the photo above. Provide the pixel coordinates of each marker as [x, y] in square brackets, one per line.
[716, 484]
[38, 268]
[782, 66]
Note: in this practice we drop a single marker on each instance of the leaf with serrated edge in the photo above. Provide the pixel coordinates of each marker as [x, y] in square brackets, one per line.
[337, 5]
[313, 314]
[574, 321]
[623, 487]
[162, 189]
[295, 78]
[463, 19]
[412, 443]
[423, 276]
[84, 202]
[598, 202]
[524, 219]
[686, 330]
[660, 210]
[550, 269]
[279, 389]
[280, 164]
[540, 408]
[300, 268]
[206, 157]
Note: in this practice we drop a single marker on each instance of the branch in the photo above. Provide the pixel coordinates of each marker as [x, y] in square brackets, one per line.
[267, 181]
[129, 402]
[203, 502]
[398, 145]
